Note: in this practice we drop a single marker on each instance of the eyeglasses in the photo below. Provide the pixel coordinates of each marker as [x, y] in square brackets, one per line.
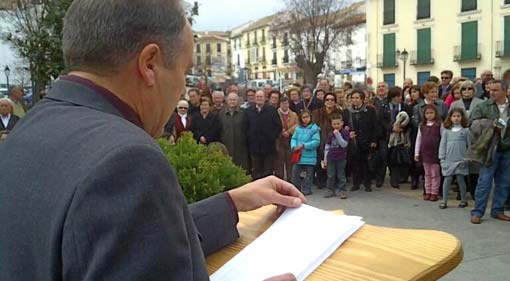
[446, 78]
[182, 108]
[330, 99]
[469, 88]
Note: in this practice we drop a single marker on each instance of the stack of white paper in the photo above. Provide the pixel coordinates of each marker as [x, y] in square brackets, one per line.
[298, 242]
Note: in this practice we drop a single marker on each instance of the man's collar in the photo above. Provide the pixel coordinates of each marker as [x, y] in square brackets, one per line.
[81, 91]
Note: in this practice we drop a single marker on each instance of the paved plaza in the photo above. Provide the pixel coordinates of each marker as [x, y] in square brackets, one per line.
[486, 247]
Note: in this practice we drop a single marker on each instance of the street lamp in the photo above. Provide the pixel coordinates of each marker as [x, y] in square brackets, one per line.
[7, 72]
[404, 55]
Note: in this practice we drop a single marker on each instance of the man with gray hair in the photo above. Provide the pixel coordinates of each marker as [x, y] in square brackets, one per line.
[87, 193]
[8, 118]
[18, 104]
[218, 99]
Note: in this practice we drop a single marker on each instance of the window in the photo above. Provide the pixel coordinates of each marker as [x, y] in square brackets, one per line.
[424, 46]
[263, 35]
[389, 58]
[274, 61]
[469, 73]
[468, 5]
[286, 56]
[218, 47]
[238, 60]
[255, 36]
[507, 2]
[274, 43]
[390, 79]
[506, 38]
[208, 48]
[198, 48]
[469, 47]
[208, 60]
[285, 39]
[199, 60]
[389, 12]
[423, 77]
[423, 11]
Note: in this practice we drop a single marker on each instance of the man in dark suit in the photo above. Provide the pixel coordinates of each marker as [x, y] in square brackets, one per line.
[87, 194]
[263, 127]
[8, 119]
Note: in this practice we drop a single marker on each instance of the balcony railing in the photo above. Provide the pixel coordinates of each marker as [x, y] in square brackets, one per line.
[387, 61]
[423, 57]
[263, 41]
[467, 52]
[346, 64]
[501, 51]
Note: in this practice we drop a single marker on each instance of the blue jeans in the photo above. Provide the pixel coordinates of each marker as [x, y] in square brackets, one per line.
[306, 185]
[498, 173]
[336, 172]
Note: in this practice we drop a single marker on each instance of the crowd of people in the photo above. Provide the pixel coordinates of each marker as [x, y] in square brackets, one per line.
[430, 135]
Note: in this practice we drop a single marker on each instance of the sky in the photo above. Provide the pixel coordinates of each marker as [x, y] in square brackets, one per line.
[223, 15]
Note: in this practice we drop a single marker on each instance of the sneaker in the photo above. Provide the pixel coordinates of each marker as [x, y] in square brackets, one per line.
[343, 194]
[463, 204]
[330, 193]
[442, 205]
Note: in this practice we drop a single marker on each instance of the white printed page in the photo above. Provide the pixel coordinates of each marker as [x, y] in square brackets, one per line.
[298, 242]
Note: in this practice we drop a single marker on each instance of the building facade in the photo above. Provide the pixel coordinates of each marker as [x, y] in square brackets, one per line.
[212, 55]
[465, 36]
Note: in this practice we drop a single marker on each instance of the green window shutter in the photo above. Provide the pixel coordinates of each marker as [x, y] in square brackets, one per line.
[389, 12]
[506, 38]
[423, 9]
[468, 5]
[469, 47]
[424, 46]
[389, 50]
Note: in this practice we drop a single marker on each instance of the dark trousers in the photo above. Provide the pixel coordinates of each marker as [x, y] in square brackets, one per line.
[396, 173]
[360, 174]
[472, 181]
[321, 175]
[283, 166]
[262, 165]
[382, 162]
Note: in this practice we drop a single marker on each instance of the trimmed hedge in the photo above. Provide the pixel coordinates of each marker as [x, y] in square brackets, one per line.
[203, 171]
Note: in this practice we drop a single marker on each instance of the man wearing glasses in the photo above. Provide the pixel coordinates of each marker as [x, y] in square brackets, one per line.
[446, 78]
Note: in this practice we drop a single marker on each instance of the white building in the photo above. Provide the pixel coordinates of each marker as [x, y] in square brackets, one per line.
[238, 55]
[465, 36]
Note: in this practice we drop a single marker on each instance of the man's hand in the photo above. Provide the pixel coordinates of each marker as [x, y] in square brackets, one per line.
[397, 129]
[266, 191]
[203, 140]
[373, 145]
[417, 158]
[352, 135]
[284, 277]
[285, 134]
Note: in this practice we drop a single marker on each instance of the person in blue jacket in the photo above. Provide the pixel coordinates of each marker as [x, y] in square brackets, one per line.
[306, 138]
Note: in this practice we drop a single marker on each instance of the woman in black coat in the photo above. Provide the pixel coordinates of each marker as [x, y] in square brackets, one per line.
[206, 126]
[363, 120]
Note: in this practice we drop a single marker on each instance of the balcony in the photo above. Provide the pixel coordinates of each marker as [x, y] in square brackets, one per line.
[468, 52]
[263, 41]
[387, 61]
[423, 57]
[501, 51]
[346, 64]
[262, 60]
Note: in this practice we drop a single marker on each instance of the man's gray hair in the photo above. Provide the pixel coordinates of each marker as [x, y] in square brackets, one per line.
[504, 84]
[218, 93]
[102, 35]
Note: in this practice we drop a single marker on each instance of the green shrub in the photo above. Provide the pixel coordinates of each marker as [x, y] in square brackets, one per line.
[203, 171]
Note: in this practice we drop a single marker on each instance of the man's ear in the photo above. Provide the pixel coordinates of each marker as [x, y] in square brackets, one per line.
[149, 60]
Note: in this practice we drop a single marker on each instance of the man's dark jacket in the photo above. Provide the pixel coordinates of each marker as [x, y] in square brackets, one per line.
[87, 195]
[262, 129]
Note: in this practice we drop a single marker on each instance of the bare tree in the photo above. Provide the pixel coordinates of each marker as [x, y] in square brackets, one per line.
[310, 28]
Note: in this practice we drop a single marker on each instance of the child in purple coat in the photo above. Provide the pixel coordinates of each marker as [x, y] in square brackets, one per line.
[335, 155]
